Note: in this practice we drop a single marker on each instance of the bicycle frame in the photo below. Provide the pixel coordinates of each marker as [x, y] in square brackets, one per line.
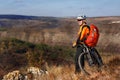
[88, 54]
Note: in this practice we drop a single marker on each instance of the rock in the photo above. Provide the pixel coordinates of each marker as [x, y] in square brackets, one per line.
[14, 75]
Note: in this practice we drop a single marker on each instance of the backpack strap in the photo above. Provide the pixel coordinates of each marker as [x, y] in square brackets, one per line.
[86, 26]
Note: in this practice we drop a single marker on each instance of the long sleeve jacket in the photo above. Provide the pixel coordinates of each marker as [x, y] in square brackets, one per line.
[83, 32]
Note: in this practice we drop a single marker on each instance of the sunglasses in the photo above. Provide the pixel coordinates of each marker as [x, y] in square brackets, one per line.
[79, 20]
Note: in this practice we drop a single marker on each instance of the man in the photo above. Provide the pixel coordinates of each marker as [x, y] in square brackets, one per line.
[82, 35]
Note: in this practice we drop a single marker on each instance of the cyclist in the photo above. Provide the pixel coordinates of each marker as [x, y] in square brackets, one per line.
[82, 35]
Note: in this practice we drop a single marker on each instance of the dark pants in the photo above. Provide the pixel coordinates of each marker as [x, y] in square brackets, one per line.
[99, 59]
[78, 52]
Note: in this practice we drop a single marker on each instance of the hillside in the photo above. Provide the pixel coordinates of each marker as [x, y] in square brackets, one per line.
[57, 60]
[11, 21]
[36, 41]
[16, 54]
[59, 31]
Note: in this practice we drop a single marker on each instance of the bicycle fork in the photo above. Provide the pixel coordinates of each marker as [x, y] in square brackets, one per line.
[89, 57]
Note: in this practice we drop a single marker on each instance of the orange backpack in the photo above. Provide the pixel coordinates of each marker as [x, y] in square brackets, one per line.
[93, 36]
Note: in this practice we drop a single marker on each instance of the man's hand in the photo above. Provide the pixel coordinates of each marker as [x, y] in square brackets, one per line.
[74, 44]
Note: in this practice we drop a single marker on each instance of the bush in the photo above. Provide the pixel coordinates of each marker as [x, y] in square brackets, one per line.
[37, 54]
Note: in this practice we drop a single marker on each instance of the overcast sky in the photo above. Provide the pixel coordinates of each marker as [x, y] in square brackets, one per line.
[61, 8]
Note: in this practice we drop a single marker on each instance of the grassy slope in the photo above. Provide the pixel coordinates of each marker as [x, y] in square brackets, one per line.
[109, 72]
[15, 54]
[60, 61]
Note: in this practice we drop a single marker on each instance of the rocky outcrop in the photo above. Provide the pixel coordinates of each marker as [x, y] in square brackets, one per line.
[32, 73]
[14, 75]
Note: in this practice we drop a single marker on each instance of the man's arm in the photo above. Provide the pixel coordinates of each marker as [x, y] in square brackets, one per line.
[78, 38]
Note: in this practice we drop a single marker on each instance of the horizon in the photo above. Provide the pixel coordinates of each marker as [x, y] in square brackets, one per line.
[52, 16]
[63, 8]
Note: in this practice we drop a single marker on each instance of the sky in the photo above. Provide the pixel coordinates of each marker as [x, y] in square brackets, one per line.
[61, 8]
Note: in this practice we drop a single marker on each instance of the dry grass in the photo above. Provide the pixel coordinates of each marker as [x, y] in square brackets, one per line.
[109, 72]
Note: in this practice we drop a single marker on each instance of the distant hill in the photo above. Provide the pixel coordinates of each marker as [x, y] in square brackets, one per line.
[59, 31]
[24, 17]
[9, 21]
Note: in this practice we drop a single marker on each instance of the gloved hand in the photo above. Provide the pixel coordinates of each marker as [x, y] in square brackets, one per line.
[74, 45]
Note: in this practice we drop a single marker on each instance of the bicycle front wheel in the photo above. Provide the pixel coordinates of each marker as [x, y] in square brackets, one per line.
[86, 69]
[80, 63]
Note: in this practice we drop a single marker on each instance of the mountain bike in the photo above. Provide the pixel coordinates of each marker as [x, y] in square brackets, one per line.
[93, 59]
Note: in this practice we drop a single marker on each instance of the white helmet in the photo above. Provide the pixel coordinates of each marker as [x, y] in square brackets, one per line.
[81, 18]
